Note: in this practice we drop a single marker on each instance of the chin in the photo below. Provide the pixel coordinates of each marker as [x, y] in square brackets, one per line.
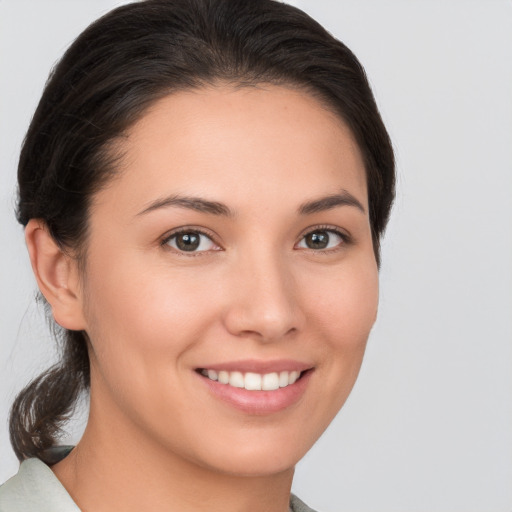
[257, 464]
[257, 453]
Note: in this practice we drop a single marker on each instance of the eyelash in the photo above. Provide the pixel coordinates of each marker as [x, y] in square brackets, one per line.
[346, 239]
[184, 230]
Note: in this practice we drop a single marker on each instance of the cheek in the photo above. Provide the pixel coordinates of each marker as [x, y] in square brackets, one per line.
[143, 325]
[346, 305]
[141, 329]
[345, 313]
[139, 299]
[341, 313]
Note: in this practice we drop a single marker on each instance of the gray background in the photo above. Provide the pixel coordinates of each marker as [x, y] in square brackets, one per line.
[428, 426]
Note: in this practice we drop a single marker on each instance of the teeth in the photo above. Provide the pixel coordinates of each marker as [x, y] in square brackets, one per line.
[253, 381]
[236, 379]
[293, 377]
[270, 381]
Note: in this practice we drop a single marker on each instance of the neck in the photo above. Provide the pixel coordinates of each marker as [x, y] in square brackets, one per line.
[118, 468]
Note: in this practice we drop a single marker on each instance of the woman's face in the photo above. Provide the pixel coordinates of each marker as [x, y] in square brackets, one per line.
[233, 249]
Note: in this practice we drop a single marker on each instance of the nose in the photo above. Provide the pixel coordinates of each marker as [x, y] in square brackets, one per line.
[263, 301]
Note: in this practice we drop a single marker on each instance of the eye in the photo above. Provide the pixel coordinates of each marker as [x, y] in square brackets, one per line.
[322, 239]
[190, 241]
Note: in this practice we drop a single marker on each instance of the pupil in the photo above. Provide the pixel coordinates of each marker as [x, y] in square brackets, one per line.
[187, 241]
[317, 240]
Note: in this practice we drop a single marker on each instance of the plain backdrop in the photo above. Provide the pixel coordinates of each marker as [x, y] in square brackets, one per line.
[428, 426]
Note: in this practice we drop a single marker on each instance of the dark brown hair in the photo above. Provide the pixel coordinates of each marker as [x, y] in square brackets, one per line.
[106, 80]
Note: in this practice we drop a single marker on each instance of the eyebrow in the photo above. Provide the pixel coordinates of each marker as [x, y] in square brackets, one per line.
[190, 203]
[343, 198]
[199, 204]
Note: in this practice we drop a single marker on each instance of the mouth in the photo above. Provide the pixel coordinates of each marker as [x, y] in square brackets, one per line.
[257, 388]
[252, 381]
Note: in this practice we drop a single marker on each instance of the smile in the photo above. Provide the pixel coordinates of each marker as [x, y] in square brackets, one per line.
[253, 381]
[257, 387]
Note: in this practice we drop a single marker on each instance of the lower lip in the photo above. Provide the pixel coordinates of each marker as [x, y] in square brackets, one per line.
[259, 402]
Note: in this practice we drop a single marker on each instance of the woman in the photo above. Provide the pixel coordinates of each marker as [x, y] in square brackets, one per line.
[203, 188]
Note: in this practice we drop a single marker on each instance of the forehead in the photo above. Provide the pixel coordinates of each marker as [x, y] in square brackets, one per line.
[238, 143]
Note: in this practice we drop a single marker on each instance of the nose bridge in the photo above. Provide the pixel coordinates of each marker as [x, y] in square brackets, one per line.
[264, 302]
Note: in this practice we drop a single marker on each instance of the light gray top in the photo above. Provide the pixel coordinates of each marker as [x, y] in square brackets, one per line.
[35, 488]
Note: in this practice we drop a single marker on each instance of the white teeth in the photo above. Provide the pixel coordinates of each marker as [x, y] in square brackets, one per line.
[270, 382]
[223, 377]
[253, 381]
[293, 377]
[236, 379]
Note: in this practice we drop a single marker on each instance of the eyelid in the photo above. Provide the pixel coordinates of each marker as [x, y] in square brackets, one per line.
[164, 240]
[345, 236]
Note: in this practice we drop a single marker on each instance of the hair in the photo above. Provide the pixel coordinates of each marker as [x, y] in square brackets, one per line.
[119, 66]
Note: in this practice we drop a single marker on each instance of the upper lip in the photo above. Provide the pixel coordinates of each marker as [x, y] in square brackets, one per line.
[259, 366]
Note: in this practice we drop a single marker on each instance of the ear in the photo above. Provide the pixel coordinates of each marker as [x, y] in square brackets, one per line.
[57, 276]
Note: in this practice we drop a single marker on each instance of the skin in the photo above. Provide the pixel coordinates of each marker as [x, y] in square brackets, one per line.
[157, 439]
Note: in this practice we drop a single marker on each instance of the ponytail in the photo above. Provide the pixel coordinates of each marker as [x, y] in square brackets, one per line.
[42, 408]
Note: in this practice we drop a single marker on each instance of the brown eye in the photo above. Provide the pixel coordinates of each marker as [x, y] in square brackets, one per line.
[318, 240]
[321, 239]
[191, 241]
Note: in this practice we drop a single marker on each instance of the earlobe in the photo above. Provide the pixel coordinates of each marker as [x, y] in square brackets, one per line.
[57, 276]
